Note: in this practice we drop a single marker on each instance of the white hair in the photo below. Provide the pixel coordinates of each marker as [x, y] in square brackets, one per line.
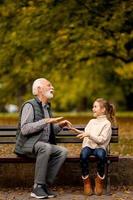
[37, 83]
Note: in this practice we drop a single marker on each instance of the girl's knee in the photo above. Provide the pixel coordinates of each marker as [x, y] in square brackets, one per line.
[101, 154]
[83, 156]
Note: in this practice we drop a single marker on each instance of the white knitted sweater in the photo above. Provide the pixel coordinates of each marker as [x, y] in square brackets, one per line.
[98, 133]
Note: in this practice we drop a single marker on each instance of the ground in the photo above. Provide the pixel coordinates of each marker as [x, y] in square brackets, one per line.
[67, 193]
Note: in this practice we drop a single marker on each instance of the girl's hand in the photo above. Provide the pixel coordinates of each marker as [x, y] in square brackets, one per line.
[81, 135]
[76, 130]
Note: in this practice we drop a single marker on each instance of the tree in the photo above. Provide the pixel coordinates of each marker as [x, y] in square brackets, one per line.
[80, 45]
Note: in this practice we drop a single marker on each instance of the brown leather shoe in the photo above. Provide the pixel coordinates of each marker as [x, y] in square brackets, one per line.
[87, 186]
[99, 185]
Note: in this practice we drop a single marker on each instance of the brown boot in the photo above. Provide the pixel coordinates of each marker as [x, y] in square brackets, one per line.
[99, 184]
[87, 186]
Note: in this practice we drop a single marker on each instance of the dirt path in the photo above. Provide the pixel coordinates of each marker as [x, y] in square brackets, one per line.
[66, 193]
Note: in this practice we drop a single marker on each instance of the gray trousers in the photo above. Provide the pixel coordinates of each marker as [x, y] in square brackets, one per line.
[49, 159]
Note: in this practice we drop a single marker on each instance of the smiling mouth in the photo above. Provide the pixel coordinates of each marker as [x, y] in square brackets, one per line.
[51, 91]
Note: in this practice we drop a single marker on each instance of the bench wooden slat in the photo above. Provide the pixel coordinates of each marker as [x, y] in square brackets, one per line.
[58, 140]
[19, 159]
[10, 128]
[13, 134]
[8, 135]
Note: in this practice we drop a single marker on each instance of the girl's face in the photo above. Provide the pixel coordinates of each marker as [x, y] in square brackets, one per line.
[97, 109]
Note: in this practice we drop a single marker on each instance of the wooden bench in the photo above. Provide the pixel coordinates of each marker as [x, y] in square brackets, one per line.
[8, 136]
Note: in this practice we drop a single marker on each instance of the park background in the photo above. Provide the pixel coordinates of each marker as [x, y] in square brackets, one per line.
[84, 47]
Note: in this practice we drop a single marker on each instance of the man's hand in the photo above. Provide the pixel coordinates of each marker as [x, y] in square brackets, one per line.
[59, 120]
[53, 120]
[65, 123]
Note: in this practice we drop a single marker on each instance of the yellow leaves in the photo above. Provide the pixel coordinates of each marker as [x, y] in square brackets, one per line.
[62, 35]
[110, 42]
[4, 12]
[13, 35]
[62, 32]
[126, 72]
[28, 10]
[127, 192]
[6, 150]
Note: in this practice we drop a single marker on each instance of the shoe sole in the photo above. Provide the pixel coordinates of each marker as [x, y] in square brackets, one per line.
[38, 197]
[52, 196]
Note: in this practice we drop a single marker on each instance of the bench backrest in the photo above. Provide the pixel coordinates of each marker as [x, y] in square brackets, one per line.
[8, 135]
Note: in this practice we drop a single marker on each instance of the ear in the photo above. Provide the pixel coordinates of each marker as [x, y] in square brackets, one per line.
[38, 88]
[103, 110]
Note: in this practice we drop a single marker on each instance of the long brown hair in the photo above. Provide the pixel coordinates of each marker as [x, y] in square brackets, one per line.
[109, 110]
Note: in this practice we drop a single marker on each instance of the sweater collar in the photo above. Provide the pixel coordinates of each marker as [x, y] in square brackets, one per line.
[101, 117]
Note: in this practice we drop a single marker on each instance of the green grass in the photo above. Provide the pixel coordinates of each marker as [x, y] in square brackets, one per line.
[125, 114]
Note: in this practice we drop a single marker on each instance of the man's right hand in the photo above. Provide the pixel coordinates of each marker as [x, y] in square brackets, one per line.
[53, 120]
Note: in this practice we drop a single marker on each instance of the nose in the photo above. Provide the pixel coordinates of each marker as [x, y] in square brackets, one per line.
[52, 87]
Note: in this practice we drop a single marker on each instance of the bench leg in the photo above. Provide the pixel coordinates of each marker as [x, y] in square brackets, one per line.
[107, 180]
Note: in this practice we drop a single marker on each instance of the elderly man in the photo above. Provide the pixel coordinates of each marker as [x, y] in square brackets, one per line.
[36, 138]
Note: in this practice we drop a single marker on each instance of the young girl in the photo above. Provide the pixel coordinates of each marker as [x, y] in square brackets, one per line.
[96, 138]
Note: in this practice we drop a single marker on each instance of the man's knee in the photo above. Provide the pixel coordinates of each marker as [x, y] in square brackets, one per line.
[63, 151]
[43, 147]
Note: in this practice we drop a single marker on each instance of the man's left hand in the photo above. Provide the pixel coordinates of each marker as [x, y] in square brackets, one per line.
[65, 123]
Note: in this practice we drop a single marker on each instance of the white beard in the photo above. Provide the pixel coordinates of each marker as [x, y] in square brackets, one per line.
[49, 94]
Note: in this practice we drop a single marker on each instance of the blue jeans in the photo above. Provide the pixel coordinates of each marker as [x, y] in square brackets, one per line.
[99, 153]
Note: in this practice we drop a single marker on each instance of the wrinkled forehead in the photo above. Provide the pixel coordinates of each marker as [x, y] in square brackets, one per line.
[45, 82]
